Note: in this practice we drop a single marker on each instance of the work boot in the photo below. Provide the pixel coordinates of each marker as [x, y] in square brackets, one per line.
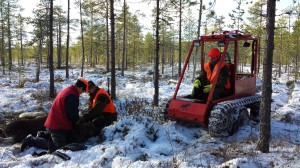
[44, 134]
[36, 153]
[74, 147]
[27, 142]
[31, 141]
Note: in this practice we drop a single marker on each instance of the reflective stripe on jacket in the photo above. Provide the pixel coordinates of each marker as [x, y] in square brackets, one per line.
[212, 75]
[109, 108]
[57, 118]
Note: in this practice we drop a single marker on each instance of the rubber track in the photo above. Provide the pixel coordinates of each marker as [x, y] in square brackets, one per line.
[226, 105]
[223, 120]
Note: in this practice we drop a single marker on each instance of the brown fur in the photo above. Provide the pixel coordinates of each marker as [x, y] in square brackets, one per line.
[17, 130]
[2, 133]
[86, 130]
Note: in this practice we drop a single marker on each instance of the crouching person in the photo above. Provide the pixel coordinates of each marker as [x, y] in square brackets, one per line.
[64, 114]
[102, 111]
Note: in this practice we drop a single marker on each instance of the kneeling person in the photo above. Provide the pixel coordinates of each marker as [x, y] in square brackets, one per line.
[64, 114]
[102, 111]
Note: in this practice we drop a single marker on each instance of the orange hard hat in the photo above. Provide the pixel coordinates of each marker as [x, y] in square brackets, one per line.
[214, 53]
[86, 83]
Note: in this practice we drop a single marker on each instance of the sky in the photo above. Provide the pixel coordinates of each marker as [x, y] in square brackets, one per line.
[139, 140]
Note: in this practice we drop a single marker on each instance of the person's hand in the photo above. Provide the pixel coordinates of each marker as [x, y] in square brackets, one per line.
[207, 88]
[197, 83]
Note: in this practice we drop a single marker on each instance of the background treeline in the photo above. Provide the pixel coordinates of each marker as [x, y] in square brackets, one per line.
[134, 45]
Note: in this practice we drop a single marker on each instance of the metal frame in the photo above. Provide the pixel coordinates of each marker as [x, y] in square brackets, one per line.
[183, 109]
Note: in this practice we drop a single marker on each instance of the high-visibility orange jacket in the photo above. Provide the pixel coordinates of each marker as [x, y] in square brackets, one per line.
[109, 108]
[211, 74]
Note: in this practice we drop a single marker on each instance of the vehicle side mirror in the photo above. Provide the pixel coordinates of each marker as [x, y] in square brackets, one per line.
[196, 44]
[221, 43]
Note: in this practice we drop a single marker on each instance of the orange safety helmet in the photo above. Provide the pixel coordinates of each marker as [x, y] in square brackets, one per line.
[215, 52]
[86, 83]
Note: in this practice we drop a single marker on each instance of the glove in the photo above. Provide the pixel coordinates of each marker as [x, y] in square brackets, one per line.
[197, 83]
[207, 88]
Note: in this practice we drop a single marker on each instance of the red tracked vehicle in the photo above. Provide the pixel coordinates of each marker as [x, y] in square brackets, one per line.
[222, 116]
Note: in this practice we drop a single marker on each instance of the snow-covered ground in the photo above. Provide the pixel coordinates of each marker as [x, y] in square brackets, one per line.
[140, 139]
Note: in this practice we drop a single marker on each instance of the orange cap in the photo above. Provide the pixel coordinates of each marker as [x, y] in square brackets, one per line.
[86, 83]
[214, 53]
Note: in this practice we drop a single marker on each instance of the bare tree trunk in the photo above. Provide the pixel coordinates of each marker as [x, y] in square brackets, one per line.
[82, 39]
[113, 72]
[92, 64]
[163, 50]
[2, 40]
[68, 39]
[9, 40]
[38, 62]
[163, 42]
[156, 70]
[296, 62]
[259, 39]
[280, 58]
[58, 45]
[59, 41]
[51, 69]
[22, 50]
[180, 20]
[124, 40]
[39, 54]
[198, 36]
[173, 55]
[118, 55]
[126, 54]
[265, 114]
[107, 39]
[48, 48]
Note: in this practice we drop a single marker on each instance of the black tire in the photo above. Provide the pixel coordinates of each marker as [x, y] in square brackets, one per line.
[254, 111]
[243, 117]
[223, 124]
[220, 123]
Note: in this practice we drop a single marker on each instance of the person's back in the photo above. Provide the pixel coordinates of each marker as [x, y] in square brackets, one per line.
[58, 118]
[64, 114]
